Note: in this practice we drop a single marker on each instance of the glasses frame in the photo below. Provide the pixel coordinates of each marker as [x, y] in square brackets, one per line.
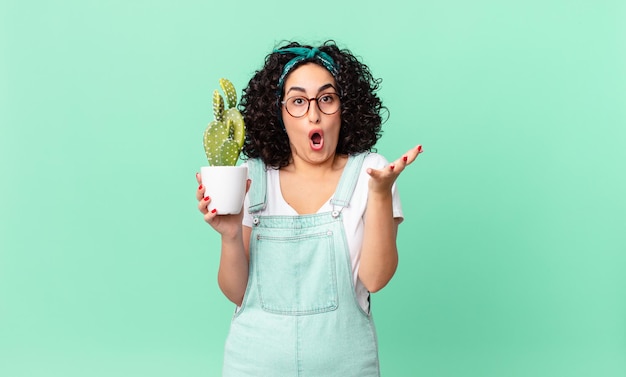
[308, 104]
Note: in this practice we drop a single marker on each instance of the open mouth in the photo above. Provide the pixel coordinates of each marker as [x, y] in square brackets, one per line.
[317, 139]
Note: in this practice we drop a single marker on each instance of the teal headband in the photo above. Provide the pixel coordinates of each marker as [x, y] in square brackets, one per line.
[303, 53]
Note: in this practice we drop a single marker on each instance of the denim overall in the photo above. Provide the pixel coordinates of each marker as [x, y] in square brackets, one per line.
[300, 316]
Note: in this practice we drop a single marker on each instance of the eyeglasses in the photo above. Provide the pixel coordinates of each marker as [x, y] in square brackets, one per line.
[298, 106]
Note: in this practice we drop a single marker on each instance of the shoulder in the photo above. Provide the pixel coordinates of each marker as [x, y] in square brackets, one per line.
[371, 160]
[251, 161]
[254, 164]
[374, 160]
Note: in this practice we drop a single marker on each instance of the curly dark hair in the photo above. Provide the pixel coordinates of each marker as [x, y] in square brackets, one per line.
[361, 108]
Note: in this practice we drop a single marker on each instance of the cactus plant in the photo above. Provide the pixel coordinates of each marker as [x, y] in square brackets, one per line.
[224, 136]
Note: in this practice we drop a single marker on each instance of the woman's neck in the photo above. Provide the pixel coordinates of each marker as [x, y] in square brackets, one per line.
[299, 165]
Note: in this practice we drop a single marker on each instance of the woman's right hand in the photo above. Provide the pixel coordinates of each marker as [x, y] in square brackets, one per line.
[228, 226]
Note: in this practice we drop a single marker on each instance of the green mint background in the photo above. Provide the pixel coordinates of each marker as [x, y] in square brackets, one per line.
[513, 251]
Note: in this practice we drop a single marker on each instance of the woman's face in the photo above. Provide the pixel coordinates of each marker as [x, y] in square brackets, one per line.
[313, 137]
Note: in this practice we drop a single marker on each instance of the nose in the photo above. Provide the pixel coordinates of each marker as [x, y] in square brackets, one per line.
[314, 112]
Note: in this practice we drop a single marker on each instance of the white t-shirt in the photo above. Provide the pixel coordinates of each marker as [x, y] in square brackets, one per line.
[353, 215]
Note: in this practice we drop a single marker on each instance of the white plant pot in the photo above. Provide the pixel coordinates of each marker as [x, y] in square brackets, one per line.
[226, 186]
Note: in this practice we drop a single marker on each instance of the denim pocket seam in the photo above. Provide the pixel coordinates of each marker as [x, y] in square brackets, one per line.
[319, 304]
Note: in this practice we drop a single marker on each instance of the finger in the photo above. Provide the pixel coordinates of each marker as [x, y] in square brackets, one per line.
[398, 165]
[248, 184]
[409, 157]
[374, 173]
[210, 216]
[203, 204]
[381, 173]
[200, 192]
[412, 154]
[201, 188]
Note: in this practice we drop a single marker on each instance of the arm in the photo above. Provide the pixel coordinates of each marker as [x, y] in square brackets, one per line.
[379, 253]
[232, 275]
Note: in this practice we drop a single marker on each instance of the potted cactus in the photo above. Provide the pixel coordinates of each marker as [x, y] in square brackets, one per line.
[223, 139]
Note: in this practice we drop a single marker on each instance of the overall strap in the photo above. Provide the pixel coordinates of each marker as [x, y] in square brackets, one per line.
[258, 190]
[348, 180]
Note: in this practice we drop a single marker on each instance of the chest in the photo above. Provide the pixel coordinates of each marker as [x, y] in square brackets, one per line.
[307, 195]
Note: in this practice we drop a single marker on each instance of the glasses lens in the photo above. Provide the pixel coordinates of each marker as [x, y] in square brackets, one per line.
[298, 106]
[328, 103]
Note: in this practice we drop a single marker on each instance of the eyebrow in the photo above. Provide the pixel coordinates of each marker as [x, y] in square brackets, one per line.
[322, 88]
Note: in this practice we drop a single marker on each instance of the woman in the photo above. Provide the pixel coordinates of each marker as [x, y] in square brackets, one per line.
[318, 229]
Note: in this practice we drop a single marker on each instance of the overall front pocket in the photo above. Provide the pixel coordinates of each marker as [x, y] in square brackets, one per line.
[296, 275]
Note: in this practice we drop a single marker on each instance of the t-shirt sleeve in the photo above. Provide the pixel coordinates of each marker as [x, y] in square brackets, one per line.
[247, 217]
[397, 205]
[377, 161]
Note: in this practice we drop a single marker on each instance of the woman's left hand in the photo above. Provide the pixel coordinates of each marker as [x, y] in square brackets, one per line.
[383, 179]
